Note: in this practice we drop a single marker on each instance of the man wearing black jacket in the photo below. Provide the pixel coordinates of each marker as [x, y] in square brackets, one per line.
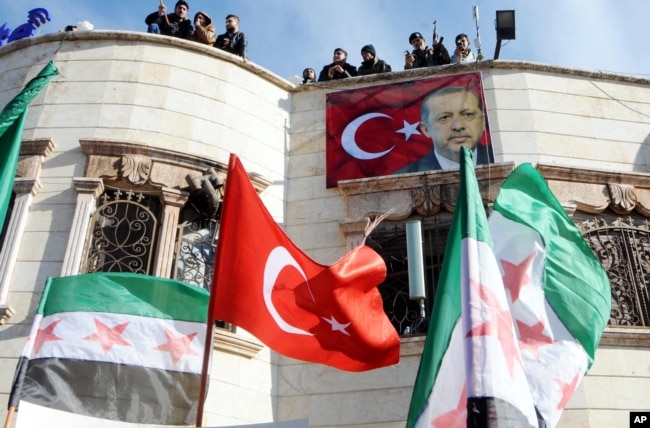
[339, 68]
[424, 56]
[175, 24]
[233, 40]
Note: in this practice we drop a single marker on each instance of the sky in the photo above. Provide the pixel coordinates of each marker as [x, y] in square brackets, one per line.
[285, 36]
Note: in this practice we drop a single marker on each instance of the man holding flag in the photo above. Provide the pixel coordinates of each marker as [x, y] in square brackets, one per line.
[524, 350]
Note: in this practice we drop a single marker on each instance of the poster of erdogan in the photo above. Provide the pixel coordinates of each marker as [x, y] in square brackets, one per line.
[406, 127]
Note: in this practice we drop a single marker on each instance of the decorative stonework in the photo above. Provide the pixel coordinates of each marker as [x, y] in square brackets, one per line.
[157, 168]
[595, 191]
[136, 169]
[31, 157]
[151, 166]
[426, 200]
[622, 198]
[422, 193]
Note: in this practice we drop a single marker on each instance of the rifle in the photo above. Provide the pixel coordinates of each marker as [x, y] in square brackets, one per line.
[436, 48]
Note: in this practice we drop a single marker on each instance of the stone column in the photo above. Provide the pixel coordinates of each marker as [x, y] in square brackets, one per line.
[173, 200]
[88, 190]
[25, 189]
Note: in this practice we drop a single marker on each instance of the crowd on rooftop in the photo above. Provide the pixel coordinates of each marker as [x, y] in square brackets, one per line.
[201, 30]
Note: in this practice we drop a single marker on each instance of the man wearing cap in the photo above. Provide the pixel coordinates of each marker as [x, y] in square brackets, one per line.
[233, 40]
[424, 56]
[339, 68]
[204, 31]
[371, 64]
[175, 24]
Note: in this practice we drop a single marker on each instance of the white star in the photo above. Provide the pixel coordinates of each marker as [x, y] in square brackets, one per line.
[337, 326]
[409, 129]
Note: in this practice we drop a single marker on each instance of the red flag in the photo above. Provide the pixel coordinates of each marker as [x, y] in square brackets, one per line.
[375, 131]
[264, 283]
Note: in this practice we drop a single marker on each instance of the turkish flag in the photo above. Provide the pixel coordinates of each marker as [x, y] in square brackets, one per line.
[375, 131]
[264, 283]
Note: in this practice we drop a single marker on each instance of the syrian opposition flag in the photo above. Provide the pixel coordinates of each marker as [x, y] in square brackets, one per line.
[114, 346]
[265, 284]
[558, 291]
[556, 297]
[471, 369]
[375, 131]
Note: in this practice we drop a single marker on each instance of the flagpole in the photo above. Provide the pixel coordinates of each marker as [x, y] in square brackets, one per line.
[207, 351]
[209, 337]
[10, 416]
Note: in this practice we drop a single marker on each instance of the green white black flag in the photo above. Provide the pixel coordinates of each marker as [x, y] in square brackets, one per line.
[118, 346]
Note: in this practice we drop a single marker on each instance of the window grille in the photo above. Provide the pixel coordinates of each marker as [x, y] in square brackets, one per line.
[622, 244]
[195, 251]
[389, 240]
[123, 233]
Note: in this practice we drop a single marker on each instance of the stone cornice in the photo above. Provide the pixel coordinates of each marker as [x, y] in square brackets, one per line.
[139, 164]
[422, 193]
[132, 37]
[594, 191]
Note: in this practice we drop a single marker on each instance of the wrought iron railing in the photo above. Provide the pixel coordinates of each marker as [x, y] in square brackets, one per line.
[623, 248]
[195, 251]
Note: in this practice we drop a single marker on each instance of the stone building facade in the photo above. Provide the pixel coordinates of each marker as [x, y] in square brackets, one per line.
[148, 121]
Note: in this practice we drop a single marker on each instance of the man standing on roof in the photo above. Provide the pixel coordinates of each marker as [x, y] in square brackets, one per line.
[175, 24]
[371, 64]
[339, 68]
[233, 40]
[462, 53]
[424, 56]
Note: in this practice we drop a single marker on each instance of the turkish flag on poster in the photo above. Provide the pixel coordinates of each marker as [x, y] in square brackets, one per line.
[264, 283]
[375, 131]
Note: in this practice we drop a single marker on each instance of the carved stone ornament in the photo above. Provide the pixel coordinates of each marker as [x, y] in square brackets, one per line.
[623, 197]
[426, 200]
[135, 168]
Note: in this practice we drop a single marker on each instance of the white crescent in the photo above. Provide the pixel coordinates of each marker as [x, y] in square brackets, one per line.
[349, 142]
[278, 259]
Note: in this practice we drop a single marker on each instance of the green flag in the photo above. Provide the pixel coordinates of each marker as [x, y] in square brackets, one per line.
[12, 120]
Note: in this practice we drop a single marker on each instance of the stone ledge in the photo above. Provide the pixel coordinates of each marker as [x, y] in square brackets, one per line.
[226, 341]
[628, 337]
